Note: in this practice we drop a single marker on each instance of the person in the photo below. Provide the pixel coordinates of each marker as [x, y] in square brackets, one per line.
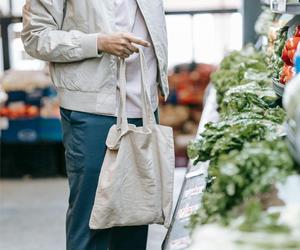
[84, 41]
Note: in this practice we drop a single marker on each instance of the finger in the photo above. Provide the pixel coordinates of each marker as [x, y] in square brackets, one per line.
[136, 40]
[132, 48]
[127, 51]
[124, 56]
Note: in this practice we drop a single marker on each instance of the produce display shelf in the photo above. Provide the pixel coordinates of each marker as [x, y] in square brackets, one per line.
[278, 87]
[292, 135]
[291, 8]
[178, 235]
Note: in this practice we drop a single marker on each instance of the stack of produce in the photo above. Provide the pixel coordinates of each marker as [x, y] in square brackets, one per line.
[287, 57]
[282, 58]
[19, 110]
[264, 21]
[20, 80]
[240, 68]
[276, 63]
[183, 109]
[30, 95]
[188, 83]
[248, 157]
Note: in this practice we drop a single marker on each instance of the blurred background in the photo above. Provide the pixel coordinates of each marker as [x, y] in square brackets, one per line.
[200, 33]
[33, 177]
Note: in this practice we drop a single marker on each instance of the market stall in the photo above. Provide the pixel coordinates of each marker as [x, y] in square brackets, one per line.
[241, 190]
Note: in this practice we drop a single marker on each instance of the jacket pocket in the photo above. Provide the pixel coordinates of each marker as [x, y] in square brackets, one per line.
[90, 75]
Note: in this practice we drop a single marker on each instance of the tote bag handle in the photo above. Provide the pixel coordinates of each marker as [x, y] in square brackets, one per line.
[148, 115]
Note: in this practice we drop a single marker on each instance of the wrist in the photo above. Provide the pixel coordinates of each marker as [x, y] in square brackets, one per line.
[100, 42]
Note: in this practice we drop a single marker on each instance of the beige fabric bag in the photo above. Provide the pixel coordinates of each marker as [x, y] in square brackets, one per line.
[136, 181]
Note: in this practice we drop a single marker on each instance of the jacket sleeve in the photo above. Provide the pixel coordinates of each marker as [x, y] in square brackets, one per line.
[43, 39]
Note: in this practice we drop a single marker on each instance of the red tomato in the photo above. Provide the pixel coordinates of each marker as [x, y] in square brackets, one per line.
[285, 56]
[297, 32]
[4, 112]
[292, 43]
[291, 55]
[287, 74]
[32, 111]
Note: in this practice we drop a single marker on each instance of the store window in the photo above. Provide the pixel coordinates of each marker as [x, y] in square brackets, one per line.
[202, 37]
[201, 4]
[11, 7]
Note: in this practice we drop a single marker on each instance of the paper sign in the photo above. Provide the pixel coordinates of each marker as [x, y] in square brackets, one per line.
[187, 212]
[181, 243]
[193, 191]
[282, 5]
[195, 173]
[278, 5]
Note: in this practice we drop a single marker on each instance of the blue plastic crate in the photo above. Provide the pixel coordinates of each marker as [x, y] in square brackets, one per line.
[21, 130]
[50, 130]
[33, 97]
[16, 96]
[50, 92]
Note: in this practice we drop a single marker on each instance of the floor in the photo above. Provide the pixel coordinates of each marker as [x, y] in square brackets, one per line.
[32, 214]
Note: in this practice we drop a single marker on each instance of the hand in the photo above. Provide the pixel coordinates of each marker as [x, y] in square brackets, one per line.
[120, 44]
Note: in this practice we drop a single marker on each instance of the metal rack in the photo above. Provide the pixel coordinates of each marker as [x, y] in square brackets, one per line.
[4, 23]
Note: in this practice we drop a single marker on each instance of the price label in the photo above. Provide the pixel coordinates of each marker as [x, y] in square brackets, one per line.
[181, 243]
[278, 5]
[187, 211]
[195, 173]
[282, 5]
[193, 191]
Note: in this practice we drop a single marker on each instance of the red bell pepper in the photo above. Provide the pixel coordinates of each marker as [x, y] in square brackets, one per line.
[285, 56]
[287, 74]
[297, 32]
[292, 43]
[289, 50]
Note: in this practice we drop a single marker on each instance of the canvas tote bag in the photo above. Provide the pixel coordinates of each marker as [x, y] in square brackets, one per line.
[136, 181]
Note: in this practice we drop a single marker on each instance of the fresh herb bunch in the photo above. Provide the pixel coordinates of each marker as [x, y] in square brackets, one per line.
[240, 175]
[239, 68]
[276, 115]
[255, 219]
[277, 63]
[245, 148]
[220, 138]
[246, 98]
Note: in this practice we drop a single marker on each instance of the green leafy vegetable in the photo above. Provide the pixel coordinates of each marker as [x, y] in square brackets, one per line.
[245, 148]
[240, 175]
[239, 68]
[221, 138]
[249, 97]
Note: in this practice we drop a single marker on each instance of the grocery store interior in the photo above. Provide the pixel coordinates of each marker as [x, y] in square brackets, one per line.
[234, 107]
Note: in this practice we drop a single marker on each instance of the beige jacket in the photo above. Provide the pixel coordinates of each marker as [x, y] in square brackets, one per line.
[65, 34]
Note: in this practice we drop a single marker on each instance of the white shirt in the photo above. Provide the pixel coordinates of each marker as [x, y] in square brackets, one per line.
[128, 18]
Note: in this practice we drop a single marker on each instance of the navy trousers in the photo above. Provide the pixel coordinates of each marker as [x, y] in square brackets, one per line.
[84, 137]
